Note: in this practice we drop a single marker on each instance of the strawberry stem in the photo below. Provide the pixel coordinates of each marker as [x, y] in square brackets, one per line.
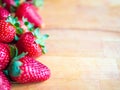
[13, 51]
[16, 58]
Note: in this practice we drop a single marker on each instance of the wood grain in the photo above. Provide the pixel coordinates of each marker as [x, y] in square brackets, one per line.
[83, 47]
[82, 14]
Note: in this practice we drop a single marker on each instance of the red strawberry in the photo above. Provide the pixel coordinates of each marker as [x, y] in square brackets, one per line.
[3, 13]
[8, 29]
[4, 55]
[32, 43]
[24, 69]
[28, 11]
[4, 83]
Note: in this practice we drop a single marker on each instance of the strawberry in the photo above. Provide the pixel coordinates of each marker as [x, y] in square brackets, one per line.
[8, 29]
[3, 13]
[4, 55]
[4, 83]
[24, 69]
[28, 11]
[32, 43]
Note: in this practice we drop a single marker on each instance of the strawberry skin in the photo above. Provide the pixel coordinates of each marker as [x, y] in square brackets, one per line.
[7, 31]
[4, 55]
[4, 83]
[27, 43]
[28, 11]
[3, 13]
[28, 70]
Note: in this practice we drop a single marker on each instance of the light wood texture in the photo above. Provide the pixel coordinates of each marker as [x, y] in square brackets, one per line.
[84, 45]
[84, 14]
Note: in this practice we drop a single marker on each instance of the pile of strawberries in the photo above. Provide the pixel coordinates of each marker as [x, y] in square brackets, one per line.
[21, 43]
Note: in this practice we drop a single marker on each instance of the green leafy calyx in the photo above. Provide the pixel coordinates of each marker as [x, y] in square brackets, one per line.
[40, 39]
[14, 67]
[14, 21]
[13, 51]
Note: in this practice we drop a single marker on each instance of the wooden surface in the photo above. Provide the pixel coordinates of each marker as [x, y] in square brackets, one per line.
[84, 46]
[82, 14]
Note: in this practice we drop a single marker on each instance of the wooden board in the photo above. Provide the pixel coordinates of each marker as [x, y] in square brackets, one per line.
[84, 45]
[83, 14]
[81, 60]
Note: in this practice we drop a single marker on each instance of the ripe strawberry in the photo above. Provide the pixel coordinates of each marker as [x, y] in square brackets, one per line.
[28, 11]
[4, 83]
[32, 43]
[24, 69]
[8, 29]
[3, 13]
[4, 55]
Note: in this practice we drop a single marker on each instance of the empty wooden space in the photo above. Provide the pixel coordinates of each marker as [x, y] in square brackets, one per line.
[83, 47]
[82, 14]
